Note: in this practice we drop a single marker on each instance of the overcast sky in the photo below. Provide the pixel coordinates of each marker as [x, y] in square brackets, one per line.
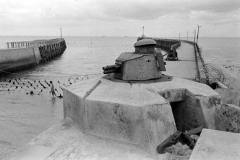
[218, 18]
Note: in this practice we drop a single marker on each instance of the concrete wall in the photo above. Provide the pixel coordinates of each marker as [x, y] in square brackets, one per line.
[31, 53]
[12, 59]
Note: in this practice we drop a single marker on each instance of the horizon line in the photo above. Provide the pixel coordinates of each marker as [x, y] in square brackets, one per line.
[115, 36]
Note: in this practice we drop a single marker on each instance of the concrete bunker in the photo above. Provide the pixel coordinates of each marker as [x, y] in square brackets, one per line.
[190, 110]
[187, 117]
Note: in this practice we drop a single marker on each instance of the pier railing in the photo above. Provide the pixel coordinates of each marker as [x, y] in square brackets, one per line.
[28, 44]
[200, 64]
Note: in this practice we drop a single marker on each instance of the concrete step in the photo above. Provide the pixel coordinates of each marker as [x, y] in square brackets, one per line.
[217, 145]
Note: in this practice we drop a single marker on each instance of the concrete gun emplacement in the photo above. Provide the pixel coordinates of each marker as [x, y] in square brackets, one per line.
[144, 63]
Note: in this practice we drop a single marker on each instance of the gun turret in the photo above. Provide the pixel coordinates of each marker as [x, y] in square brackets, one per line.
[144, 63]
[112, 69]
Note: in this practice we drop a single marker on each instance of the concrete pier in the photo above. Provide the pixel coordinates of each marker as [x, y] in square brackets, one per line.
[186, 66]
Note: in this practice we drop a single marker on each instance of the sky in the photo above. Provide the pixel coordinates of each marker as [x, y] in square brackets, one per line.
[160, 18]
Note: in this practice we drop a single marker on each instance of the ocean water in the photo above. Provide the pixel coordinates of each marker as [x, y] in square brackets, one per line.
[22, 116]
[87, 55]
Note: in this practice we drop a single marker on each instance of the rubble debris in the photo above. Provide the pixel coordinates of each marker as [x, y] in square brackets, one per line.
[182, 137]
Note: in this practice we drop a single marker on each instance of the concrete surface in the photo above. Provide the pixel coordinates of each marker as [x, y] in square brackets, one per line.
[228, 118]
[139, 113]
[14, 58]
[65, 141]
[217, 145]
[186, 66]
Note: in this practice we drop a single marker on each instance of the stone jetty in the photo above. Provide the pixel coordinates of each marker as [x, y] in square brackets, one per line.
[24, 54]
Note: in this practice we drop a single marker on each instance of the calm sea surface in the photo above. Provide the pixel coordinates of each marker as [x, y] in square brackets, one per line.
[22, 117]
[87, 55]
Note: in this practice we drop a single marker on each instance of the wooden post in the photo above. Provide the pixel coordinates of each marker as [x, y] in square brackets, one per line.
[197, 33]
[194, 37]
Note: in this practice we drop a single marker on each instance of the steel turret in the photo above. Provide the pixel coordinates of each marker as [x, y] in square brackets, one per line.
[144, 63]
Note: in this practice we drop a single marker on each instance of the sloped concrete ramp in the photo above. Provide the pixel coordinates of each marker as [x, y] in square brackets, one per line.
[217, 145]
[65, 141]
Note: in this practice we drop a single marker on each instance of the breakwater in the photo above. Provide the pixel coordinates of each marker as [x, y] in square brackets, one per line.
[23, 54]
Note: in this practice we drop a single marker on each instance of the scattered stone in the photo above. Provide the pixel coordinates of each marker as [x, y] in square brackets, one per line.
[179, 151]
[30, 86]
[31, 92]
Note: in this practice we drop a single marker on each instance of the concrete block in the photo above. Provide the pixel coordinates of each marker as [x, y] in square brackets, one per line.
[217, 145]
[12, 59]
[37, 54]
[139, 113]
[65, 141]
[228, 118]
[121, 112]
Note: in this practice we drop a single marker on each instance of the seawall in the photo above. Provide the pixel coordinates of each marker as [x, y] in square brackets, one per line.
[20, 55]
[13, 59]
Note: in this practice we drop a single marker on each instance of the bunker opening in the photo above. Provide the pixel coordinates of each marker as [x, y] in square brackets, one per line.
[187, 114]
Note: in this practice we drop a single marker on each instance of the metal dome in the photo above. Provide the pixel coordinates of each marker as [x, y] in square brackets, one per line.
[144, 42]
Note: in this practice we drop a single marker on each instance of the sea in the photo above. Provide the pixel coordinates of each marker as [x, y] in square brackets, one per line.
[23, 117]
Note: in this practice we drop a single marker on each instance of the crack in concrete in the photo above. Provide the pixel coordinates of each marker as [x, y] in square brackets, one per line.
[92, 89]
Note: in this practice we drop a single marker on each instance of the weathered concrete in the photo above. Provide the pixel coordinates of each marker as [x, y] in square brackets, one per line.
[65, 141]
[228, 118]
[37, 55]
[217, 145]
[21, 56]
[14, 58]
[139, 113]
